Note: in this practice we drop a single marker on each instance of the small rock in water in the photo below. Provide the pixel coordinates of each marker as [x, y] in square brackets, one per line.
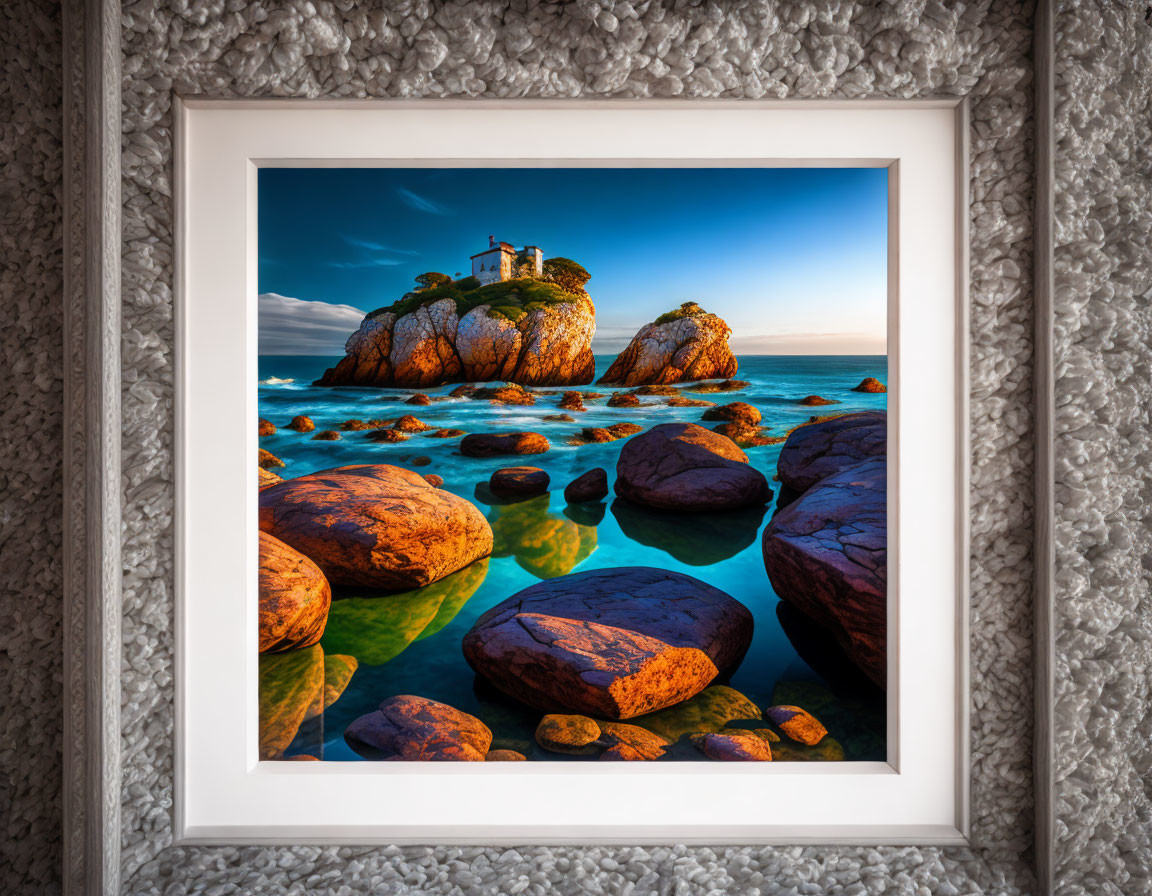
[813, 401]
[463, 391]
[301, 423]
[590, 486]
[572, 401]
[419, 398]
[505, 756]
[268, 460]
[560, 418]
[267, 477]
[420, 461]
[356, 425]
[419, 730]
[736, 412]
[870, 384]
[797, 723]
[725, 386]
[657, 390]
[520, 481]
[623, 400]
[433, 480]
[385, 435]
[330, 435]
[408, 423]
[732, 747]
[746, 436]
[445, 433]
[690, 403]
[568, 734]
[496, 444]
[265, 428]
[644, 744]
[509, 393]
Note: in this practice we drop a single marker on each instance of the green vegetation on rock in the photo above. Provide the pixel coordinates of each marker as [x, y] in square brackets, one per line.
[562, 282]
[688, 309]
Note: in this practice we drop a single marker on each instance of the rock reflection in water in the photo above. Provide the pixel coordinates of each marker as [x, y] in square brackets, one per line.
[295, 689]
[378, 629]
[698, 539]
[545, 544]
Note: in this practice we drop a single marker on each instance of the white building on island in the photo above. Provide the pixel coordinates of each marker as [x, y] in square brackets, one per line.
[501, 261]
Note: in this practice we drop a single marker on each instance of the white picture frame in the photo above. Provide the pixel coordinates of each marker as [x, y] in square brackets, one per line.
[223, 795]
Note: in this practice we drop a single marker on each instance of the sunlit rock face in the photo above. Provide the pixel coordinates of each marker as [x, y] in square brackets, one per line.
[686, 344]
[432, 345]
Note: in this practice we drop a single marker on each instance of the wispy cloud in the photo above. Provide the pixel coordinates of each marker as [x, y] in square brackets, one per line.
[373, 246]
[291, 326]
[420, 203]
[365, 263]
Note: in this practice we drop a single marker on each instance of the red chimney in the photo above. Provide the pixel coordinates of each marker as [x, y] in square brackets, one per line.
[491, 240]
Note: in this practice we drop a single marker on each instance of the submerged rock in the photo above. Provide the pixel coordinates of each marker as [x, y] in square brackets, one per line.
[294, 598]
[386, 435]
[816, 401]
[418, 399]
[433, 344]
[327, 435]
[559, 418]
[416, 729]
[826, 554]
[612, 643]
[685, 344]
[446, 433]
[681, 466]
[492, 444]
[522, 481]
[690, 403]
[725, 386]
[712, 709]
[267, 460]
[870, 384]
[623, 400]
[590, 486]
[300, 423]
[375, 525]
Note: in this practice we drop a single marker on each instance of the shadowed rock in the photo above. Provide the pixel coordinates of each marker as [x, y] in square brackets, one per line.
[710, 710]
[415, 729]
[746, 436]
[328, 435]
[590, 486]
[375, 525]
[418, 399]
[699, 539]
[612, 643]
[681, 466]
[386, 435]
[817, 450]
[826, 553]
[294, 598]
[524, 482]
[586, 513]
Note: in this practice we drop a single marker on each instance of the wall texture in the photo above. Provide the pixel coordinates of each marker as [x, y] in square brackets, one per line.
[1104, 446]
[31, 479]
[642, 49]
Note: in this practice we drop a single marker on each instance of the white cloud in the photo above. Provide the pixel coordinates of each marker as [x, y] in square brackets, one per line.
[420, 203]
[289, 326]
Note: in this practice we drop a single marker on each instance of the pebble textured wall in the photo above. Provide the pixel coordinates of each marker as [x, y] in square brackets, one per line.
[590, 49]
[1104, 446]
[31, 404]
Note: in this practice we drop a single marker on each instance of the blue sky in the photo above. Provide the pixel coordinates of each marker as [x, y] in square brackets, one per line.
[793, 258]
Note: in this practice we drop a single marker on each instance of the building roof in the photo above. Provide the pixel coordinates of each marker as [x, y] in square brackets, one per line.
[499, 247]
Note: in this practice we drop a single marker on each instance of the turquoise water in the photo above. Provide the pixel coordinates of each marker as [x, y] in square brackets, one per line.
[410, 644]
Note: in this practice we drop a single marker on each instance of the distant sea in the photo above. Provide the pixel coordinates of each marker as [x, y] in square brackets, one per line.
[538, 540]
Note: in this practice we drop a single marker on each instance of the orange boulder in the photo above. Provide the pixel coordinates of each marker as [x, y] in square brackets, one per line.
[294, 597]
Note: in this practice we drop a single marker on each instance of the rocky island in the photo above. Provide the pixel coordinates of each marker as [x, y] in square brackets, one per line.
[683, 345]
[528, 322]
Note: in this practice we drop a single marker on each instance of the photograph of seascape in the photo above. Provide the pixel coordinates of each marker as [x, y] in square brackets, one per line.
[573, 464]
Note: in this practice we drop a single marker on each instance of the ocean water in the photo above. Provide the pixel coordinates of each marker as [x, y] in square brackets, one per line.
[410, 644]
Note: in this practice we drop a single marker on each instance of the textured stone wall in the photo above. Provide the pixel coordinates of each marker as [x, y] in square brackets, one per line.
[1104, 446]
[31, 404]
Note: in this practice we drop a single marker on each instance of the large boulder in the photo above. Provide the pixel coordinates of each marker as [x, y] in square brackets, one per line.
[415, 729]
[827, 554]
[685, 344]
[817, 450]
[684, 467]
[611, 643]
[375, 525]
[434, 344]
[294, 597]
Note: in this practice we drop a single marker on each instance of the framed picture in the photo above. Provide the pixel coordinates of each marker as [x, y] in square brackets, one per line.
[530, 437]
